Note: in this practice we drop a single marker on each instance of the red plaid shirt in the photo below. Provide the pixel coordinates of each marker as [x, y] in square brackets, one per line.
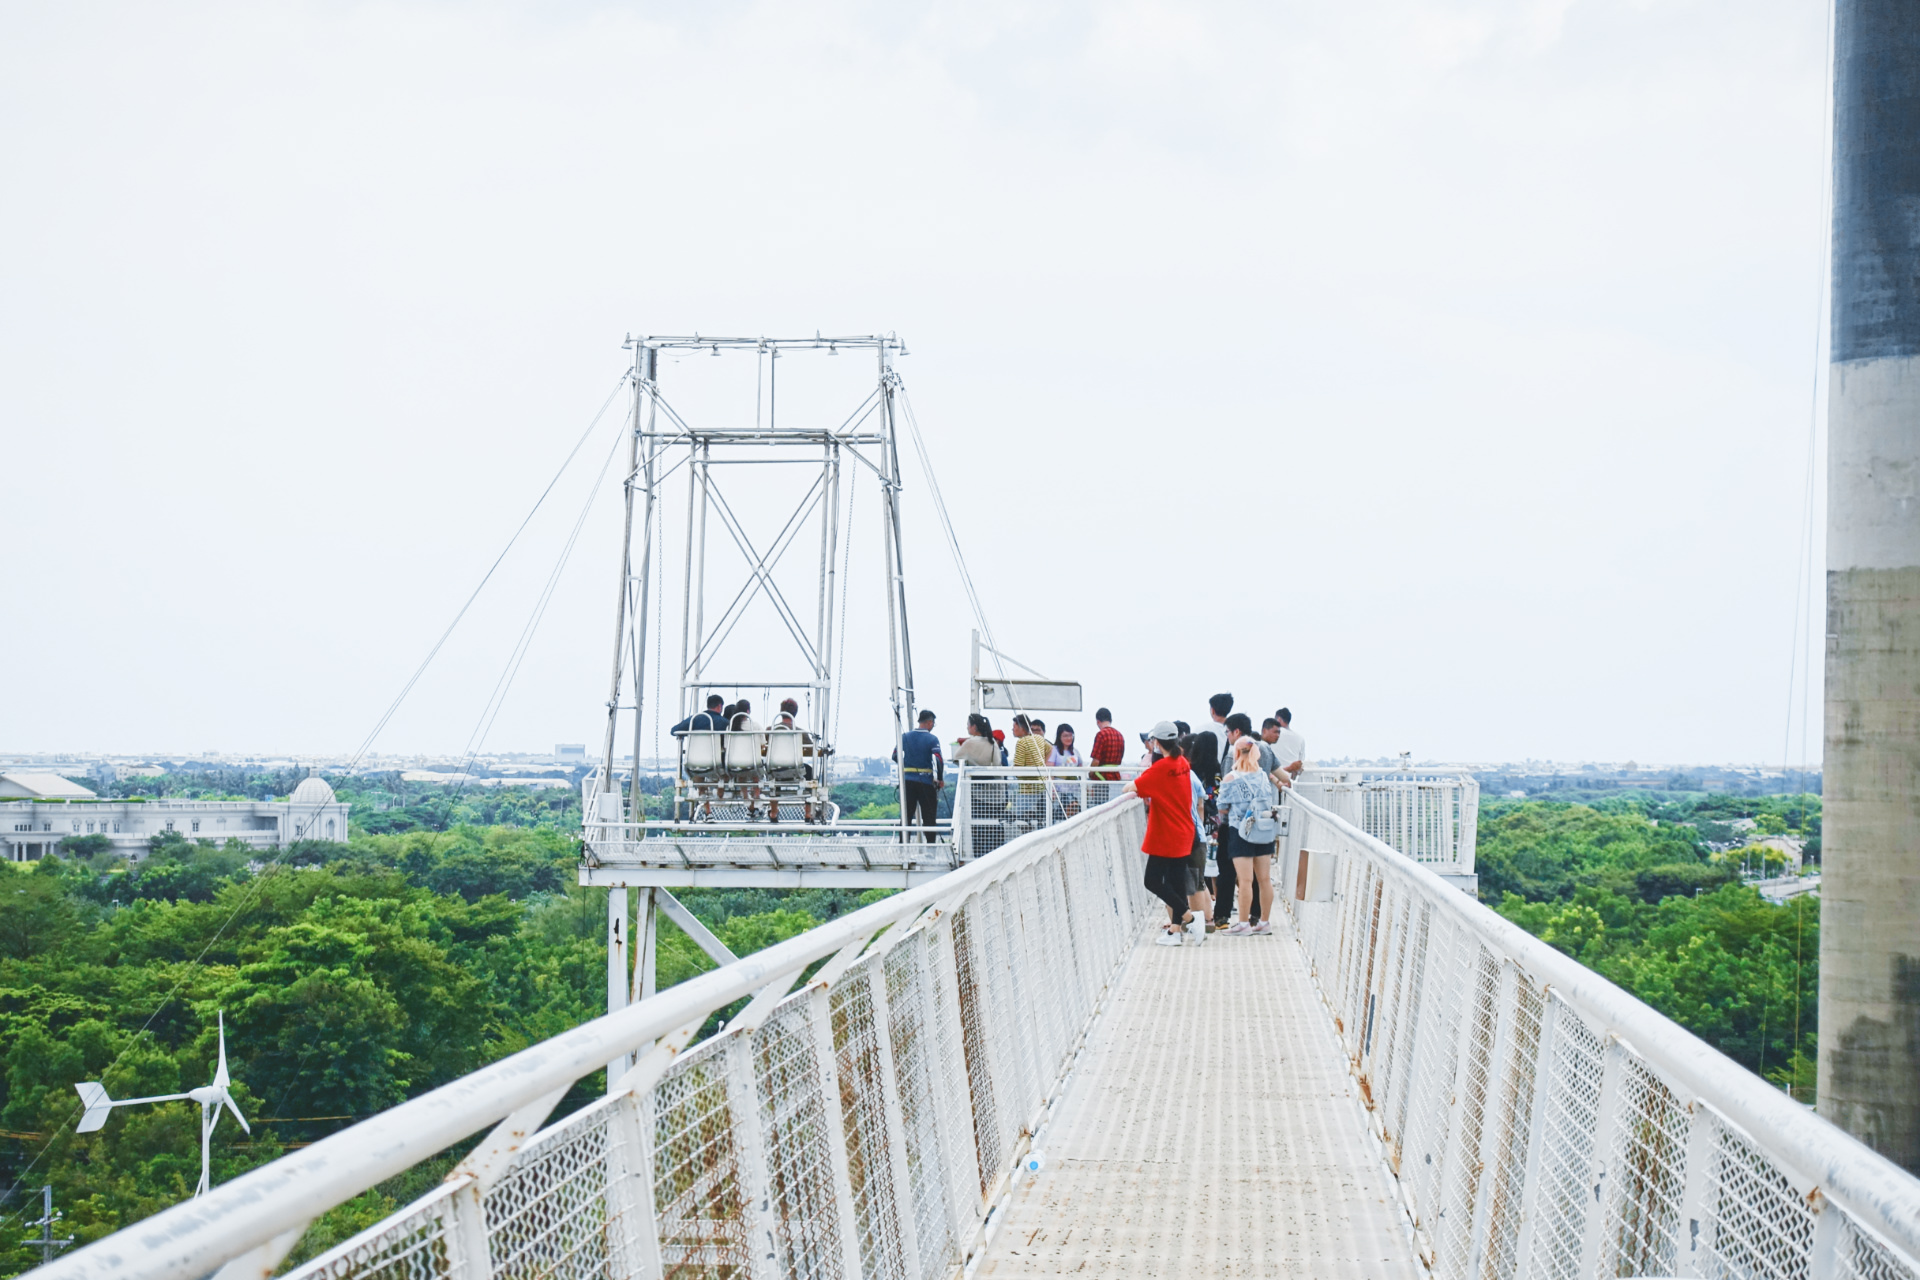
[1108, 748]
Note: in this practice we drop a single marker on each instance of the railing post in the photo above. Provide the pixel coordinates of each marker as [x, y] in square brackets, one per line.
[896, 1131]
[963, 815]
[635, 1242]
[1593, 1240]
[1506, 1007]
[470, 1257]
[1828, 1222]
[750, 1147]
[1536, 1123]
[1694, 1221]
[820, 1020]
[954, 1107]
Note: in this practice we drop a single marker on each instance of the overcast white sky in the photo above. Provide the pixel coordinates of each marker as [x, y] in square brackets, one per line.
[1441, 368]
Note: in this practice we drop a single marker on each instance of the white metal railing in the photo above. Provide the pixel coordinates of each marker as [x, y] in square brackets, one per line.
[1429, 814]
[859, 1126]
[994, 804]
[1541, 1122]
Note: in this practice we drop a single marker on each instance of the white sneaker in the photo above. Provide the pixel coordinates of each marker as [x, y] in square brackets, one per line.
[1167, 939]
[1196, 930]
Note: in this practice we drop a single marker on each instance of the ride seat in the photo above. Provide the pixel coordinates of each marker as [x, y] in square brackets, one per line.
[700, 754]
[783, 755]
[743, 753]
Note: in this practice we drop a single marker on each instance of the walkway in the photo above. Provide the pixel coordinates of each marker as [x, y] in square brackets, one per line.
[1211, 1130]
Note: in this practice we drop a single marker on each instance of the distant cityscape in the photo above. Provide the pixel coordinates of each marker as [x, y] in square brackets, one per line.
[566, 764]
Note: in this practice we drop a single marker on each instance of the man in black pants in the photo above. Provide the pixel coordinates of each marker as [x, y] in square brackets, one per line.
[923, 772]
[1219, 707]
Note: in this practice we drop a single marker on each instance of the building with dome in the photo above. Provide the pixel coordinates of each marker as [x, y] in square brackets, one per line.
[31, 827]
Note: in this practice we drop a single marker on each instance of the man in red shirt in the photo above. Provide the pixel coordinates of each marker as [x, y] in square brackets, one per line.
[1167, 787]
[1108, 746]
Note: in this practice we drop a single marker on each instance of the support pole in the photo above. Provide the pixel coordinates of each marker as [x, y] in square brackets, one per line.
[825, 701]
[1870, 885]
[896, 621]
[700, 567]
[973, 699]
[646, 373]
[617, 970]
[620, 606]
[646, 941]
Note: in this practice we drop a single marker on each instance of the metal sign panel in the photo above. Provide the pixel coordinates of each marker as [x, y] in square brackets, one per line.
[1030, 695]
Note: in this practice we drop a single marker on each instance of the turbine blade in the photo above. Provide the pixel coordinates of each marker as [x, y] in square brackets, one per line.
[220, 1076]
[235, 1108]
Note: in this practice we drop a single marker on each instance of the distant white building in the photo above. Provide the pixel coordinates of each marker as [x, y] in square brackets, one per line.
[22, 785]
[33, 823]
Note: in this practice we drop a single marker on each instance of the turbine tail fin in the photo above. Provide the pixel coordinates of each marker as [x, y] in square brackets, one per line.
[93, 1096]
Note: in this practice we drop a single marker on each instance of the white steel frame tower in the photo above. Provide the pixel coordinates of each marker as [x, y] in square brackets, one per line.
[663, 443]
[623, 848]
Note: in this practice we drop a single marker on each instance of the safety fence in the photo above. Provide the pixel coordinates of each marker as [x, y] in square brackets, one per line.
[1541, 1122]
[1431, 815]
[993, 805]
[859, 1126]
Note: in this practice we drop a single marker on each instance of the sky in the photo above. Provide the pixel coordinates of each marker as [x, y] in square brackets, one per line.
[1443, 369]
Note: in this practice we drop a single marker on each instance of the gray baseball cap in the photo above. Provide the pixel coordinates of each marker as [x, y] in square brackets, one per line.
[1165, 731]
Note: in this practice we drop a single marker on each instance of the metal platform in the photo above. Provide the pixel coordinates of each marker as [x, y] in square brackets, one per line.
[792, 862]
[844, 854]
[1211, 1129]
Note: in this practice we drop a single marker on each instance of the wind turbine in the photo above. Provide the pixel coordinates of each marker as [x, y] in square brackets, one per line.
[93, 1095]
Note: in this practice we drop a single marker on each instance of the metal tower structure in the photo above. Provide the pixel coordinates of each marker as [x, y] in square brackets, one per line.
[750, 807]
[665, 443]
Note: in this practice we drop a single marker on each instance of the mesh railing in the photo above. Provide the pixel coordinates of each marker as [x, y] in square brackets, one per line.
[1540, 1122]
[994, 805]
[1430, 815]
[859, 1126]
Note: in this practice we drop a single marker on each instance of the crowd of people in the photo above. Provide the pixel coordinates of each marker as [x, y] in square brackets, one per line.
[1215, 805]
[1213, 798]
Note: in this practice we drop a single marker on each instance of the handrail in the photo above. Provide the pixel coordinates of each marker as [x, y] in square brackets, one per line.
[259, 1215]
[1373, 947]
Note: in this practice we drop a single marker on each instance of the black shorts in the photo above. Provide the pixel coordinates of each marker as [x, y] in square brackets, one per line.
[1247, 849]
[1197, 866]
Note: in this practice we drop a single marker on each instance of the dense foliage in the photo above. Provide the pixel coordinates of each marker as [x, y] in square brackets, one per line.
[352, 976]
[1635, 890]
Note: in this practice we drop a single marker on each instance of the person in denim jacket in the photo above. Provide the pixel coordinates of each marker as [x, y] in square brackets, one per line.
[1245, 793]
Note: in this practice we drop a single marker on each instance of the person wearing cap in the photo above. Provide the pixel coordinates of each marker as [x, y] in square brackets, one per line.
[1199, 895]
[1166, 787]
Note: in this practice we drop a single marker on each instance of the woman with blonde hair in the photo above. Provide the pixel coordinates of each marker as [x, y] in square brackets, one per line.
[1249, 805]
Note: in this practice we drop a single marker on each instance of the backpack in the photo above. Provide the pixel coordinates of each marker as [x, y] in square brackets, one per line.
[1262, 824]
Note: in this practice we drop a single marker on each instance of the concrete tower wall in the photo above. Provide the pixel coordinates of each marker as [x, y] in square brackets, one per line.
[1870, 892]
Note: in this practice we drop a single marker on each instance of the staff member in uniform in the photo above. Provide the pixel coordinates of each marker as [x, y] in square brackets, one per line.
[923, 771]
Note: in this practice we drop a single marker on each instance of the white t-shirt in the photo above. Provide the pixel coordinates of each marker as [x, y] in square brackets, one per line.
[1290, 746]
